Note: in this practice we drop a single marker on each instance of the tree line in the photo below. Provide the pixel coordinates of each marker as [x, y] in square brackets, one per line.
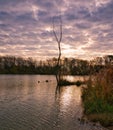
[69, 66]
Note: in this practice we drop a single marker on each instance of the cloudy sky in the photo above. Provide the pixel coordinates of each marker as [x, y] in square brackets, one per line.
[26, 28]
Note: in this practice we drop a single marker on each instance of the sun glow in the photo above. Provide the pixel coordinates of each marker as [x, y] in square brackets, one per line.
[49, 29]
[67, 50]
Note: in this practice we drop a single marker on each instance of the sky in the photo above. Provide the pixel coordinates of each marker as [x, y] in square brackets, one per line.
[26, 28]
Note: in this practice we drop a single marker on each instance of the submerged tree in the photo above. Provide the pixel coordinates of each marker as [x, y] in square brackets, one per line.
[58, 37]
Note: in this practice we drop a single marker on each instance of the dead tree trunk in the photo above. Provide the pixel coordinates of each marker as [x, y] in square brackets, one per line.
[58, 38]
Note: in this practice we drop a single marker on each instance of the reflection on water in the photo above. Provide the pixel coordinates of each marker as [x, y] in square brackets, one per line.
[68, 97]
[26, 104]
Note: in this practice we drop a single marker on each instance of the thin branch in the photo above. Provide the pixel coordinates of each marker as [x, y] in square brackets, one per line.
[58, 40]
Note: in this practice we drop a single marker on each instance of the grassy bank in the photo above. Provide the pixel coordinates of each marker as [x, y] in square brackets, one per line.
[98, 97]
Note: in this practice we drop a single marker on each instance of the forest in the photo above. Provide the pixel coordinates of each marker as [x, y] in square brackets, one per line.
[69, 66]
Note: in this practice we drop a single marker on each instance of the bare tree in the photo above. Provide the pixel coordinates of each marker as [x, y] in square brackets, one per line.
[58, 38]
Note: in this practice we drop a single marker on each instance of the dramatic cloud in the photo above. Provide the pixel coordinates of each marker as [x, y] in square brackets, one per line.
[26, 28]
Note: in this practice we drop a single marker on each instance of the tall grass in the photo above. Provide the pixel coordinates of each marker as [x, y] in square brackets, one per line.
[98, 95]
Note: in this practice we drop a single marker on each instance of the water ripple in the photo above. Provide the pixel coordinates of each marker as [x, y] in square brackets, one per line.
[26, 104]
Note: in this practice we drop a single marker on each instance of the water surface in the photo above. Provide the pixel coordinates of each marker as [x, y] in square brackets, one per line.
[28, 102]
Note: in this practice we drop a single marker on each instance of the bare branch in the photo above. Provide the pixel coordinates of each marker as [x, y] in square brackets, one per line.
[58, 40]
[54, 32]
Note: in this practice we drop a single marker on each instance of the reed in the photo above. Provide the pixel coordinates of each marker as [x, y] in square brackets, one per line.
[98, 95]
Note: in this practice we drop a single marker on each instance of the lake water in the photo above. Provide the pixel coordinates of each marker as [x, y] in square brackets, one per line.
[27, 104]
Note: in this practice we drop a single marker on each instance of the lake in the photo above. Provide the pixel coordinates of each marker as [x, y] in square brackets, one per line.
[28, 102]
